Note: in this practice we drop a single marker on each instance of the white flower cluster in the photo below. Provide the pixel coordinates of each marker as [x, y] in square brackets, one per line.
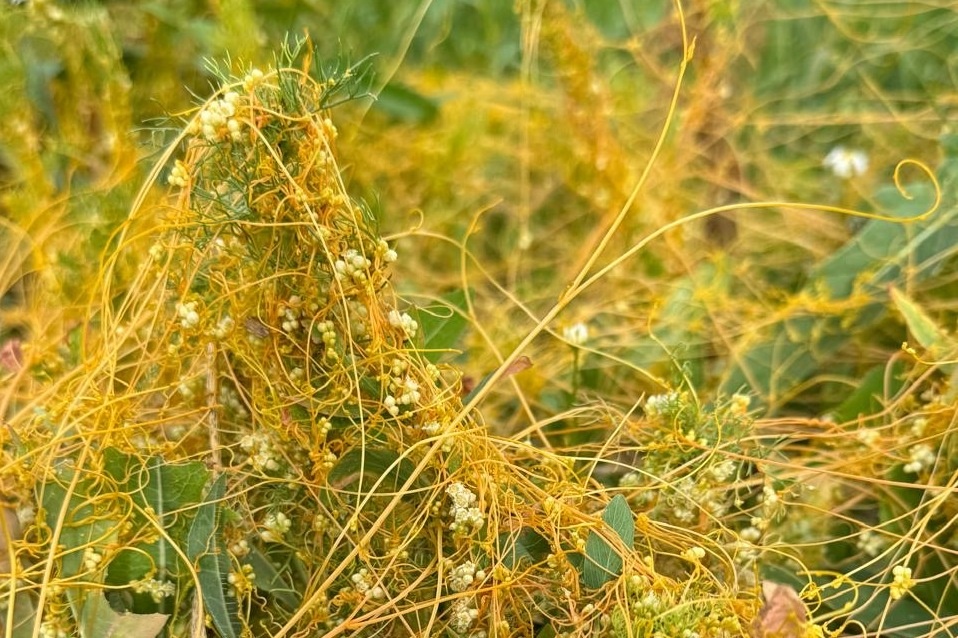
[649, 605]
[576, 334]
[358, 319]
[364, 585]
[462, 576]
[739, 404]
[263, 455]
[252, 80]
[403, 389]
[352, 265]
[276, 525]
[920, 456]
[224, 327]
[91, 558]
[463, 614]
[240, 548]
[902, 581]
[189, 318]
[54, 628]
[723, 470]
[432, 428]
[217, 122]
[386, 253]
[466, 516]
[290, 313]
[157, 589]
[230, 399]
[694, 554]
[404, 321]
[242, 580]
[660, 404]
[324, 332]
[846, 163]
[691, 496]
[871, 543]
[179, 176]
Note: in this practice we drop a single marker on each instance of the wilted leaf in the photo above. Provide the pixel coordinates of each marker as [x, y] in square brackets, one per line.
[517, 366]
[11, 355]
[783, 615]
[98, 620]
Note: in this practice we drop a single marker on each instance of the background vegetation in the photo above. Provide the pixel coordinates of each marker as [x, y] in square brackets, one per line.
[772, 186]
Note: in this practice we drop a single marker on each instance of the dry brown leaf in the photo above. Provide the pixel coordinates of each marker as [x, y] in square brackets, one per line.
[783, 615]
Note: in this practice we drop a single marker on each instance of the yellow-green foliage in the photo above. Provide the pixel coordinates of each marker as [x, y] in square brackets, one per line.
[262, 337]
[229, 401]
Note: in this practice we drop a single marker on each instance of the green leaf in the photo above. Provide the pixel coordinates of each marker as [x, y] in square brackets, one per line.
[868, 397]
[442, 325]
[206, 549]
[98, 620]
[404, 104]
[356, 463]
[528, 545]
[603, 562]
[271, 581]
[84, 525]
[923, 327]
[166, 489]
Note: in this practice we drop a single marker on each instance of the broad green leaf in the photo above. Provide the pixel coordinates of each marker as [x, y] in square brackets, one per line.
[528, 545]
[99, 620]
[206, 549]
[780, 358]
[357, 463]
[85, 525]
[867, 398]
[169, 491]
[546, 632]
[442, 325]
[603, 562]
[270, 580]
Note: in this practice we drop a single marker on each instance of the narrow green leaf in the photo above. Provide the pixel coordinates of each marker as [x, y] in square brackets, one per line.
[406, 105]
[98, 620]
[923, 327]
[603, 562]
[205, 548]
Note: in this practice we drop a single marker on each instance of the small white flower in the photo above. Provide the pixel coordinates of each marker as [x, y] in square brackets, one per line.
[463, 614]
[462, 576]
[276, 524]
[576, 334]
[466, 517]
[409, 325]
[920, 457]
[846, 163]
[902, 581]
[91, 558]
[659, 404]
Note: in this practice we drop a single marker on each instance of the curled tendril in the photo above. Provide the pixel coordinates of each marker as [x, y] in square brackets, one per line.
[903, 189]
